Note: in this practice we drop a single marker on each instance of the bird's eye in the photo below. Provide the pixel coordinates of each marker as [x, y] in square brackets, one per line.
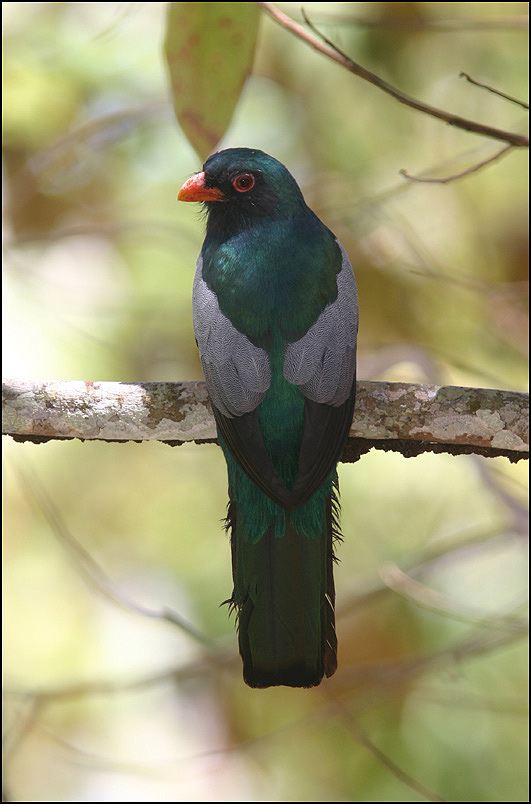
[243, 182]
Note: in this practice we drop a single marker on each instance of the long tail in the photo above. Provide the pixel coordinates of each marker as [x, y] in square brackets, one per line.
[284, 595]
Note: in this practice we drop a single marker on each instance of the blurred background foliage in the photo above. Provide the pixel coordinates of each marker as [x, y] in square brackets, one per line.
[105, 703]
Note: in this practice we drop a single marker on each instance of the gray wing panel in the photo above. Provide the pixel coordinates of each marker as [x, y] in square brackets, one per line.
[323, 361]
[237, 373]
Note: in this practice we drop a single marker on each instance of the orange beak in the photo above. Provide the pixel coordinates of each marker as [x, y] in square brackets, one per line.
[195, 190]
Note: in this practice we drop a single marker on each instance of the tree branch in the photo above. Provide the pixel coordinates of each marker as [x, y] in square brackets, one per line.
[494, 91]
[506, 22]
[405, 417]
[461, 174]
[361, 737]
[331, 50]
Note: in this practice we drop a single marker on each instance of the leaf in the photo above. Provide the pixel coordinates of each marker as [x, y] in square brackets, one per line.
[209, 49]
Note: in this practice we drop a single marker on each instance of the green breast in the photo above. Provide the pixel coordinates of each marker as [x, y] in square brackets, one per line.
[275, 277]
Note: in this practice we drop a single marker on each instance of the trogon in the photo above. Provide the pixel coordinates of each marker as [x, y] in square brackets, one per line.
[275, 312]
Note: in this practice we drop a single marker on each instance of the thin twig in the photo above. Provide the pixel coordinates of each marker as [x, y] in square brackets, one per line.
[90, 570]
[384, 678]
[430, 599]
[494, 91]
[331, 50]
[222, 657]
[363, 739]
[504, 22]
[462, 174]
[450, 697]
[16, 732]
[446, 550]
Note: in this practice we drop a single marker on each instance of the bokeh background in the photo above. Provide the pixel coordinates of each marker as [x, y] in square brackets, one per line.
[106, 699]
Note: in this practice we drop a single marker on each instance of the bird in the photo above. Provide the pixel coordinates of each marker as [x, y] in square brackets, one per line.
[275, 315]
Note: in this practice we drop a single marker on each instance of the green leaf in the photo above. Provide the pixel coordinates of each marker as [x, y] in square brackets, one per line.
[209, 49]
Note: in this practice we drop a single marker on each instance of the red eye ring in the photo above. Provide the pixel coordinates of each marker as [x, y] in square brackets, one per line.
[243, 182]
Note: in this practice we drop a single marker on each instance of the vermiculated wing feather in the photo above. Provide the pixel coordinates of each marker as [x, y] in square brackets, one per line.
[322, 362]
[237, 373]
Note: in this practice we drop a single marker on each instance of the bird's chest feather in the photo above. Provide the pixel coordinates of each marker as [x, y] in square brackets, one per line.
[274, 278]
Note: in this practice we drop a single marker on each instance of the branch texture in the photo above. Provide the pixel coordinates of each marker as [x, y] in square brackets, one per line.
[404, 417]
